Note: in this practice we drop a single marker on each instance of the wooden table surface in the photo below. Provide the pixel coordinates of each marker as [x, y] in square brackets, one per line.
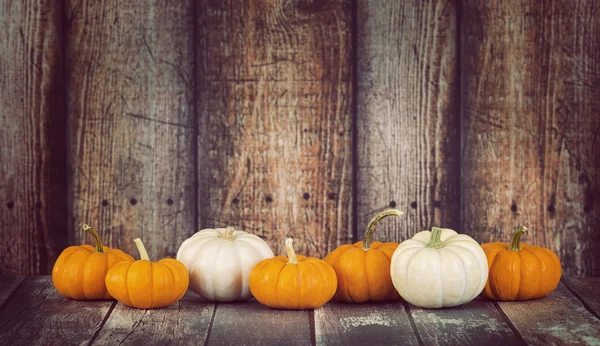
[32, 312]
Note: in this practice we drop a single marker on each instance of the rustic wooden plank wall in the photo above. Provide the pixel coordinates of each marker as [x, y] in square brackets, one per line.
[296, 118]
[33, 227]
[530, 117]
[131, 122]
[274, 98]
[407, 124]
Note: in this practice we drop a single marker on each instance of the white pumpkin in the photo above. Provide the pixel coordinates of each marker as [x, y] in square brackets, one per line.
[219, 262]
[439, 269]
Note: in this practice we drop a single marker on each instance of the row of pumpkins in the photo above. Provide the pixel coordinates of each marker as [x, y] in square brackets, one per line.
[433, 269]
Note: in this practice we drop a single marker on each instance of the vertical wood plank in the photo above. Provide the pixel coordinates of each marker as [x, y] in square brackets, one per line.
[587, 290]
[249, 322]
[274, 101]
[183, 323]
[557, 319]
[475, 323]
[131, 122]
[33, 204]
[363, 324]
[37, 314]
[407, 122]
[530, 125]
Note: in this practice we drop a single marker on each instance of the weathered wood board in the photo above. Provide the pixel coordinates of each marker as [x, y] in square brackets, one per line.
[557, 319]
[363, 324]
[33, 178]
[249, 322]
[587, 290]
[274, 102]
[183, 323]
[36, 314]
[530, 125]
[131, 122]
[475, 323]
[407, 121]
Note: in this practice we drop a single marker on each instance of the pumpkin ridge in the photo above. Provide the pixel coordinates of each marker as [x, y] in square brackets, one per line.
[127, 283]
[151, 283]
[408, 266]
[482, 283]
[277, 285]
[464, 270]
[215, 266]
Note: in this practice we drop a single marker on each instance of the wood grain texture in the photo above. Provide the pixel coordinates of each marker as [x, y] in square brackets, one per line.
[37, 314]
[587, 290]
[274, 102]
[8, 284]
[132, 134]
[557, 319]
[363, 324]
[475, 323]
[406, 115]
[183, 323]
[530, 104]
[250, 323]
[33, 209]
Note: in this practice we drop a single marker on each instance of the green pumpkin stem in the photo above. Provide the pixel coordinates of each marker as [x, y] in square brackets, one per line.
[90, 230]
[516, 238]
[141, 249]
[373, 223]
[291, 254]
[435, 241]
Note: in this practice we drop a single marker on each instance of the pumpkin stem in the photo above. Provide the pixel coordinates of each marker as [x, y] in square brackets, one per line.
[291, 254]
[228, 234]
[141, 249]
[516, 238]
[435, 239]
[373, 223]
[90, 230]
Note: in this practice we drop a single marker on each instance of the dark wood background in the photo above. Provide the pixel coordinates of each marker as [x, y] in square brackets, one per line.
[297, 118]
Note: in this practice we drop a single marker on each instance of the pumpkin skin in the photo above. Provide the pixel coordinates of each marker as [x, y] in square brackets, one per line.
[79, 271]
[363, 269]
[293, 282]
[147, 285]
[520, 272]
[439, 269]
[220, 260]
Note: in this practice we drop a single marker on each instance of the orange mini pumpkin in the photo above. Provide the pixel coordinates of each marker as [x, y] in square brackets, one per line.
[146, 285]
[292, 282]
[363, 269]
[79, 271]
[520, 272]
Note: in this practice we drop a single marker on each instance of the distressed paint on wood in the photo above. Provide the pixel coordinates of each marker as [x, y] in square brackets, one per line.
[363, 324]
[33, 203]
[183, 323]
[587, 290]
[274, 102]
[8, 284]
[407, 123]
[475, 323]
[132, 158]
[557, 319]
[250, 322]
[37, 314]
[530, 104]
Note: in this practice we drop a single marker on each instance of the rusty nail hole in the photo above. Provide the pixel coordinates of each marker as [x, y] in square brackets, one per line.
[10, 205]
[269, 199]
[133, 201]
[551, 208]
[235, 201]
[306, 195]
[169, 201]
[413, 205]
[104, 203]
[393, 204]
[513, 207]
[331, 196]
[341, 133]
